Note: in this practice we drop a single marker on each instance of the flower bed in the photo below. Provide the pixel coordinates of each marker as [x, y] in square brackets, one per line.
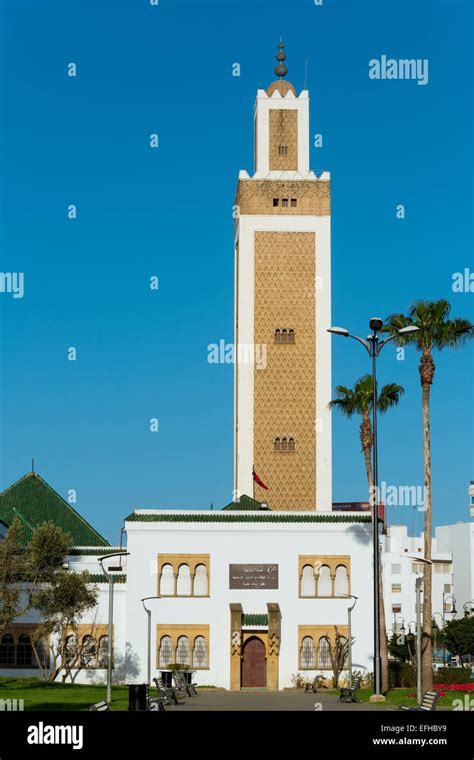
[442, 688]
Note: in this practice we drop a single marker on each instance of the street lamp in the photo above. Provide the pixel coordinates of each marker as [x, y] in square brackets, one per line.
[373, 348]
[402, 629]
[349, 631]
[418, 583]
[445, 599]
[110, 579]
[148, 612]
[470, 605]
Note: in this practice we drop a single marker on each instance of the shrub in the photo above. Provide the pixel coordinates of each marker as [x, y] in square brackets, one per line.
[401, 674]
[453, 675]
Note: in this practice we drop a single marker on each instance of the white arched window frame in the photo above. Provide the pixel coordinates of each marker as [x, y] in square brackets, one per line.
[308, 581]
[307, 659]
[341, 581]
[201, 581]
[200, 653]
[183, 583]
[167, 581]
[324, 658]
[166, 651]
[324, 581]
[182, 651]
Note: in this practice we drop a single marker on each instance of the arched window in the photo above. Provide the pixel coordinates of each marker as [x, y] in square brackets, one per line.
[308, 581]
[277, 336]
[324, 581]
[307, 653]
[7, 650]
[324, 659]
[70, 649]
[166, 651]
[200, 652]
[284, 336]
[103, 652]
[24, 650]
[277, 445]
[88, 652]
[183, 586]
[291, 444]
[167, 581]
[201, 585]
[182, 651]
[291, 336]
[341, 581]
[284, 444]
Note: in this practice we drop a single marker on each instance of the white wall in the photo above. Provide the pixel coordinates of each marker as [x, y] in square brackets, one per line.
[227, 543]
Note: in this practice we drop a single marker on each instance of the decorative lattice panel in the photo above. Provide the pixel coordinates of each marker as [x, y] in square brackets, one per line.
[283, 135]
[285, 391]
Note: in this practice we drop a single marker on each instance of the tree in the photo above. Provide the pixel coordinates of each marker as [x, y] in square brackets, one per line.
[435, 332]
[32, 577]
[459, 637]
[359, 401]
[10, 573]
[339, 654]
[62, 603]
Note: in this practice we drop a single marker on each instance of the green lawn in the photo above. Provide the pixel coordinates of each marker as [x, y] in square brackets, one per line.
[38, 695]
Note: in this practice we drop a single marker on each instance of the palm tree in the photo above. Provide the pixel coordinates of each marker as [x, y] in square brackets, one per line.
[358, 400]
[435, 332]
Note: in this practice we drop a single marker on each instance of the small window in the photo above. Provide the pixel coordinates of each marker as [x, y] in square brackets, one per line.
[277, 336]
[277, 444]
[396, 569]
[200, 658]
[291, 336]
[396, 608]
[293, 203]
[283, 150]
[88, 652]
[182, 651]
[275, 202]
[7, 650]
[324, 654]
[396, 588]
[284, 202]
[166, 652]
[291, 444]
[284, 336]
[24, 652]
[284, 444]
[447, 588]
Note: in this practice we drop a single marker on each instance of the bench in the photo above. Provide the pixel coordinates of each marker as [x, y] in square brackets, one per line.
[183, 685]
[167, 693]
[100, 706]
[428, 703]
[348, 693]
[314, 684]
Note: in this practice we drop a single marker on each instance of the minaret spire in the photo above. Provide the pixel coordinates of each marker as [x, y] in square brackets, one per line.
[281, 70]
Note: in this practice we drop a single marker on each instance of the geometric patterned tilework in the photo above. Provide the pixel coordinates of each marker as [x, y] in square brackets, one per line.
[285, 391]
[256, 197]
[283, 132]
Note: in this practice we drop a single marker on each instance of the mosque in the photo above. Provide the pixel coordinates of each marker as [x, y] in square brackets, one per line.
[249, 595]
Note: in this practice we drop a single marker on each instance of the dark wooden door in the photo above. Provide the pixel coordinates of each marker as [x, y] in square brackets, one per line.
[254, 664]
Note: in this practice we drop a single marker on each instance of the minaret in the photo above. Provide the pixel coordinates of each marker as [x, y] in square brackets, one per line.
[283, 309]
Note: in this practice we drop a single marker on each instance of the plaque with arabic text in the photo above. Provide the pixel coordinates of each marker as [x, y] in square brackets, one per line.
[253, 576]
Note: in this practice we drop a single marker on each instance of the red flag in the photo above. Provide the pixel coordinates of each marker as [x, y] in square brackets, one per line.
[257, 480]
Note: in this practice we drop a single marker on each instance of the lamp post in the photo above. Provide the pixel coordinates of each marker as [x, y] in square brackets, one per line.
[468, 607]
[402, 629]
[373, 347]
[418, 584]
[110, 579]
[349, 631]
[148, 657]
[445, 599]
[436, 637]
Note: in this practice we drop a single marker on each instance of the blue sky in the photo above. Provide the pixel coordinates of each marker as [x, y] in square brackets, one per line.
[168, 212]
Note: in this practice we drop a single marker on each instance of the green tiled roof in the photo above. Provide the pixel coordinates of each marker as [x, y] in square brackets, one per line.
[99, 578]
[245, 503]
[35, 502]
[255, 619]
[271, 517]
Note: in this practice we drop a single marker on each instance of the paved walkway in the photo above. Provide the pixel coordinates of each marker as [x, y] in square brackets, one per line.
[215, 699]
